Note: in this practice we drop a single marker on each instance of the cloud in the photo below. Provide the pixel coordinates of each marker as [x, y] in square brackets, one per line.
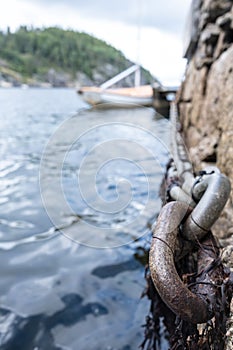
[115, 22]
[165, 15]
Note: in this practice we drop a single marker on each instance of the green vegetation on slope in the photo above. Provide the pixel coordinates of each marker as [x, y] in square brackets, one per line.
[33, 52]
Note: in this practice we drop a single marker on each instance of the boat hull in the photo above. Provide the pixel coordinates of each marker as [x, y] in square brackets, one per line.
[128, 97]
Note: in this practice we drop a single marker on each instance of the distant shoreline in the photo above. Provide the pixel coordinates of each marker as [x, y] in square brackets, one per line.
[37, 87]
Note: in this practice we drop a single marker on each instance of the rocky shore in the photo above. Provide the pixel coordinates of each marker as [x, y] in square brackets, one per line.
[206, 105]
[56, 79]
[53, 78]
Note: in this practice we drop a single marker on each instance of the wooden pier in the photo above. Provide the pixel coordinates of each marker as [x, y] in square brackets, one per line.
[162, 97]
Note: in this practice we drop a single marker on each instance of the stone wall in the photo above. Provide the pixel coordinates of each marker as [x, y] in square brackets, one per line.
[206, 95]
[206, 104]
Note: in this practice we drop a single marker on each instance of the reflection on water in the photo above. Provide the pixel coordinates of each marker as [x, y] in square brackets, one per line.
[100, 176]
[36, 330]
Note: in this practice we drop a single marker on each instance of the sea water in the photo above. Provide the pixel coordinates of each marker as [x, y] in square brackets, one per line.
[79, 191]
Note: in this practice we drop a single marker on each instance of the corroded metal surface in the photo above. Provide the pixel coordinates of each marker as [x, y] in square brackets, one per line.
[209, 208]
[186, 270]
[163, 271]
[196, 306]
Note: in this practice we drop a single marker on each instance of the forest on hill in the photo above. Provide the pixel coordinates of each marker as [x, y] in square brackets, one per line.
[59, 58]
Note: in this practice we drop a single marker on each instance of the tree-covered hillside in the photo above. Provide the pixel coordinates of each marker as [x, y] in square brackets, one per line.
[58, 56]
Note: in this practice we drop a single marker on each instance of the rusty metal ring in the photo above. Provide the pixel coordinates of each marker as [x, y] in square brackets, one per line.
[174, 293]
[209, 208]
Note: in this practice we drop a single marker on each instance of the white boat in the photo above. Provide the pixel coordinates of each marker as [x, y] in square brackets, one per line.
[106, 97]
[122, 97]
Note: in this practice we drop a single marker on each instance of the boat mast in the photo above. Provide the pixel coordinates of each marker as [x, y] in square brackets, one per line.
[137, 76]
[119, 77]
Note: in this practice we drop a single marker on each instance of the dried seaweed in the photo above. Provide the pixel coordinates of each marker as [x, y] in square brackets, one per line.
[162, 324]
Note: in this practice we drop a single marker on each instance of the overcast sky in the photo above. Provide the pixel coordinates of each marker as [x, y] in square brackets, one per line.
[162, 24]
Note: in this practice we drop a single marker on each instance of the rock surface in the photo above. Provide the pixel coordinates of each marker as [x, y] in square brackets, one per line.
[206, 105]
[206, 95]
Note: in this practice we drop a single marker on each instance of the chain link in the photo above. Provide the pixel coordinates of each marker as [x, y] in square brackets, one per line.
[183, 226]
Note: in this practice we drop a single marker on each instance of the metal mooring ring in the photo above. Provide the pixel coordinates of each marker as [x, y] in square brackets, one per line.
[217, 188]
[171, 289]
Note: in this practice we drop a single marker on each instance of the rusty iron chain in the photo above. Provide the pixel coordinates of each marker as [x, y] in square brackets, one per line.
[183, 226]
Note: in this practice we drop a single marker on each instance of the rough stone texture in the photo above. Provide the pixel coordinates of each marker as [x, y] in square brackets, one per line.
[212, 9]
[206, 108]
[206, 95]
[207, 116]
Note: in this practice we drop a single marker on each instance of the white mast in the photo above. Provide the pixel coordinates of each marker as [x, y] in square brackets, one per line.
[120, 76]
[137, 76]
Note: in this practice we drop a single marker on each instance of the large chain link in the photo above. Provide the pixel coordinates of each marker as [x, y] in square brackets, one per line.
[196, 203]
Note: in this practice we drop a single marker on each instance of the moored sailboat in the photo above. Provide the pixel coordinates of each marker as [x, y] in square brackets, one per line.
[106, 96]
